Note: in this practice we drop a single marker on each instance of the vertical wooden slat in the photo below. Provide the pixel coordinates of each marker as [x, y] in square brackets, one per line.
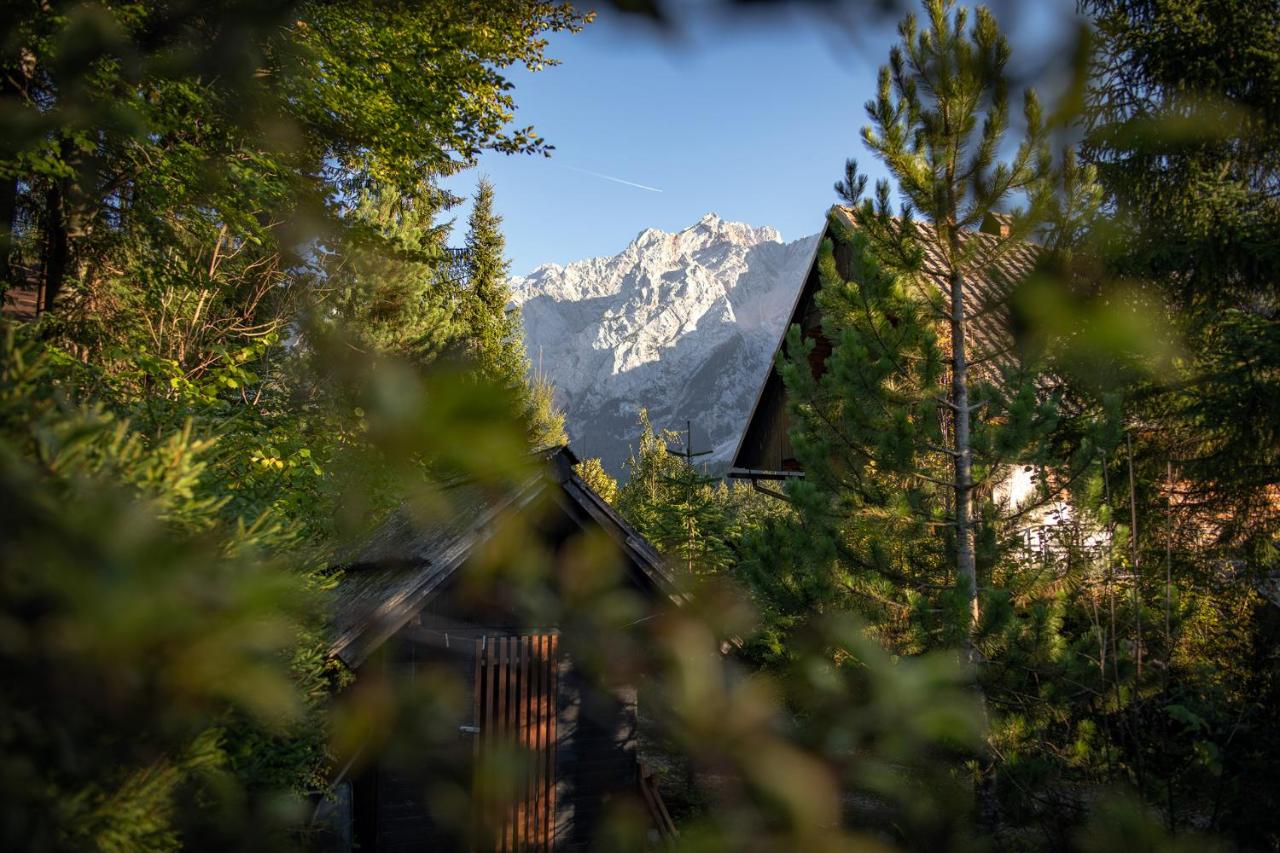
[515, 706]
[491, 732]
[517, 804]
[477, 717]
[553, 713]
[522, 815]
[495, 743]
[513, 743]
[513, 709]
[517, 801]
[492, 813]
[482, 721]
[534, 719]
[535, 724]
[538, 742]
[533, 738]
[508, 711]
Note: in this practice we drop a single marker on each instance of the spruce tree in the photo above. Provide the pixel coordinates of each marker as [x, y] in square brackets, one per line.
[386, 277]
[496, 339]
[494, 331]
[1184, 129]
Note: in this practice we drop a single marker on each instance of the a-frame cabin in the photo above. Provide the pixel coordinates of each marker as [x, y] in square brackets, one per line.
[404, 616]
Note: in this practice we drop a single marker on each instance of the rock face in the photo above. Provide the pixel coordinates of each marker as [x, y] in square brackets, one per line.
[682, 324]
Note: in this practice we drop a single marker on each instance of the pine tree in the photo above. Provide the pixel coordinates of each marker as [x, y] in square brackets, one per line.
[939, 121]
[904, 446]
[873, 501]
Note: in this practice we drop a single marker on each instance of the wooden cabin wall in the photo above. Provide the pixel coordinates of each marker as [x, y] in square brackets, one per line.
[595, 730]
[596, 763]
[767, 446]
[390, 800]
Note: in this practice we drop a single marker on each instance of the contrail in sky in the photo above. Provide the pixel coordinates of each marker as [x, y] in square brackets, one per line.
[612, 178]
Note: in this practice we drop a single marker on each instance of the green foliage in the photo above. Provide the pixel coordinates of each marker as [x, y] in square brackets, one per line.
[248, 359]
[870, 530]
[171, 166]
[676, 507]
[594, 475]
[1190, 163]
[546, 420]
[232, 217]
[494, 334]
[494, 331]
[940, 122]
[1182, 129]
[903, 447]
[916, 431]
[389, 282]
[133, 673]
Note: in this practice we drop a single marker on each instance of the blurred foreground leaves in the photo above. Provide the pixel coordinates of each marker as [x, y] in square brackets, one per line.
[251, 355]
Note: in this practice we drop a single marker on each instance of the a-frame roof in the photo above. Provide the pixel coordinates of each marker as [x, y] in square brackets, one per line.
[406, 562]
[762, 447]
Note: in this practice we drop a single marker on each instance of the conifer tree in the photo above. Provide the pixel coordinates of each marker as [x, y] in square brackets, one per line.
[593, 474]
[939, 123]
[674, 505]
[496, 339]
[493, 327]
[1183, 124]
[904, 446]
[545, 419]
[386, 277]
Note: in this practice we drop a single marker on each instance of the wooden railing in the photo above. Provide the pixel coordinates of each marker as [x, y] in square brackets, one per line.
[667, 832]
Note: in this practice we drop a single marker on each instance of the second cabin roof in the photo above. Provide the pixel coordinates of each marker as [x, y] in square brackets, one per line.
[999, 266]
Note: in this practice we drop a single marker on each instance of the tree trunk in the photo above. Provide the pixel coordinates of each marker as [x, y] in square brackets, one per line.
[8, 189]
[56, 245]
[966, 558]
[8, 212]
[986, 803]
[67, 223]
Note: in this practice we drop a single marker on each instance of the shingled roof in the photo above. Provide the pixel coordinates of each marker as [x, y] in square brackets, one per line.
[999, 265]
[762, 451]
[406, 561]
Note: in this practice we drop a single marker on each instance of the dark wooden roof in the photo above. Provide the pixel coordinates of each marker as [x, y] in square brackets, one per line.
[764, 447]
[406, 561]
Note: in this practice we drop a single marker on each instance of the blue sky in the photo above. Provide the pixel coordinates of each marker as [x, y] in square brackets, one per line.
[751, 118]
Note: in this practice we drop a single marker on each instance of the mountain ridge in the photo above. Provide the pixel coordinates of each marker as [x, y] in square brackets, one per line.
[680, 323]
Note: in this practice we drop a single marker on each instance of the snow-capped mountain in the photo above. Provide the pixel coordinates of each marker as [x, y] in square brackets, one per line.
[682, 324]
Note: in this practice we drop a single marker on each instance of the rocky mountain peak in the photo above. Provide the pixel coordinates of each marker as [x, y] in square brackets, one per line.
[681, 323]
